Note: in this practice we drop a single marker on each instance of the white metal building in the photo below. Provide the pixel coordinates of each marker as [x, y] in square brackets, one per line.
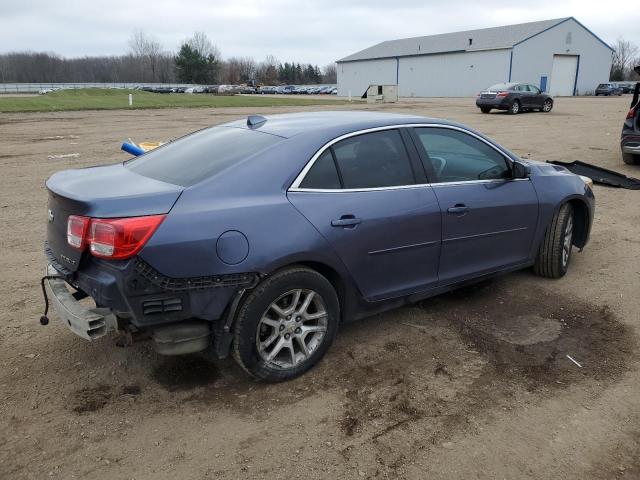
[561, 56]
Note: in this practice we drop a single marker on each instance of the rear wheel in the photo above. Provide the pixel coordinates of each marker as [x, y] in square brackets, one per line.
[547, 105]
[485, 109]
[555, 251]
[286, 325]
[515, 107]
[631, 159]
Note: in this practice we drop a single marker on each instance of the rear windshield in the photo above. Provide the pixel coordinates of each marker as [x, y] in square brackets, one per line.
[501, 86]
[603, 85]
[193, 158]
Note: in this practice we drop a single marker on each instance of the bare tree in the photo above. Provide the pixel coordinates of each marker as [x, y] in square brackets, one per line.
[148, 50]
[201, 44]
[623, 54]
[267, 71]
[329, 74]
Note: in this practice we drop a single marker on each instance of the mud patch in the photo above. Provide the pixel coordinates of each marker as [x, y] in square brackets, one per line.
[133, 390]
[470, 355]
[184, 372]
[528, 336]
[91, 399]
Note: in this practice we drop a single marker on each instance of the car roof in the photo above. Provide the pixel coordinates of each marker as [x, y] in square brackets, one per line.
[332, 123]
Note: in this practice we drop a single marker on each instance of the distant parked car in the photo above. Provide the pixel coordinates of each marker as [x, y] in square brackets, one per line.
[608, 89]
[267, 90]
[513, 97]
[627, 87]
[630, 137]
[247, 89]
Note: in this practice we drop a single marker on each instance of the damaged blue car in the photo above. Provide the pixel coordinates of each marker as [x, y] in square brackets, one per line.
[258, 237]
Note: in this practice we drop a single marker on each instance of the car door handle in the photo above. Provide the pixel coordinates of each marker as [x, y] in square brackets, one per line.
[458, 209]
[346, 221]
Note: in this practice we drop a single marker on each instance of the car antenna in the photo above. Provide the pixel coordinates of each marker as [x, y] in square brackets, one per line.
[254, 121]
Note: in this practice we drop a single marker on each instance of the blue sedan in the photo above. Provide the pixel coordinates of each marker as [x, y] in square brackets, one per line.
[258, 237]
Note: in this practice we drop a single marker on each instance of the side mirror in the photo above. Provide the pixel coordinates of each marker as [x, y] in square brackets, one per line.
[520, 170]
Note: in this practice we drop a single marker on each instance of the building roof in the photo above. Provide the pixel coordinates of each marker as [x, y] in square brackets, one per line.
[483, 39]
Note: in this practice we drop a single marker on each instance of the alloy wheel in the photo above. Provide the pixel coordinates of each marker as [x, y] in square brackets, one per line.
[292, 328]
[547, 106]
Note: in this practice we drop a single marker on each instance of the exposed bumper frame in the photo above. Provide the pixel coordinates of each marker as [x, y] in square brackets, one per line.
[88, 323]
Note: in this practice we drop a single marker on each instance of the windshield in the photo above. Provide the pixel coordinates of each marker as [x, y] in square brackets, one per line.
[193, 158]
[502, 86]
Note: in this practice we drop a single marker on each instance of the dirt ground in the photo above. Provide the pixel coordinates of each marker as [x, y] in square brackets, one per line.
[471, 385]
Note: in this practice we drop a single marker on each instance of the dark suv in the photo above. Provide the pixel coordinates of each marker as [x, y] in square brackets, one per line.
[607, 89]
[630, 139]
[513, 97]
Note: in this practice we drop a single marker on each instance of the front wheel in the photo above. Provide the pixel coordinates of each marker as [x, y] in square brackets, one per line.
[547, 105]
[514, 108]
[631, 159]
[286, 325]
[555, 250]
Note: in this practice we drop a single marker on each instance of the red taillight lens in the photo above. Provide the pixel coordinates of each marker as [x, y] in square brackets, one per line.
[632, 113]
[77, 229]
[502, 94]
[119, 238]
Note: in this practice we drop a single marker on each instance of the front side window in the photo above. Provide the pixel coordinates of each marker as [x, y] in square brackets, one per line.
[534, 89]
[457, 156]
[371, 160]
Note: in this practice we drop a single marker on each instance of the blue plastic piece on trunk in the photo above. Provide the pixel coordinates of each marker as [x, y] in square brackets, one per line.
[132, 149]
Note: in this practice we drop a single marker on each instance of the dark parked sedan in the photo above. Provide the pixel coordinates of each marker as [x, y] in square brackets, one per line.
[259, 237]
[513, 97]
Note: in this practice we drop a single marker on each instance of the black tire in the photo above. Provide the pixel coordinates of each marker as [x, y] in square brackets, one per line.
[547, 106]
[631, 159]
[551, 262]
[256, 306]
[515, 107]
[485, 109]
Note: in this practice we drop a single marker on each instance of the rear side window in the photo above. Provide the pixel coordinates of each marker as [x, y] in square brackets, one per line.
[373, 160]
[323, 174]
[198, 156]
[457, 156]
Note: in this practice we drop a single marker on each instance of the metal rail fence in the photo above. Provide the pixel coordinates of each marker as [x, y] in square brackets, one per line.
[38, 87]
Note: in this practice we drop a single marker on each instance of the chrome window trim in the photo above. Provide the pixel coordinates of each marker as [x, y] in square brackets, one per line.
[295, 186]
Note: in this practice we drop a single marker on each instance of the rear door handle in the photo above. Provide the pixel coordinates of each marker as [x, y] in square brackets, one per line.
[458, 209]
[346, 221]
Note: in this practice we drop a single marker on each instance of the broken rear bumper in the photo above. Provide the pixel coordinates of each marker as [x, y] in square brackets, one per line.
[88, 323]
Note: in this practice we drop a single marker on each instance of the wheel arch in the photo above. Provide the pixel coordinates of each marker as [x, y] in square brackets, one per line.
[581, 219]
[345, 290]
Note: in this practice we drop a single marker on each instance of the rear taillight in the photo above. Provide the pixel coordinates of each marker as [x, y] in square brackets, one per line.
[632, 113]
[502, 94]
[77, 230]
[114, 238]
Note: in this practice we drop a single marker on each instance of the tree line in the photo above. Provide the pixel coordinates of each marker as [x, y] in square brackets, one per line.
[197, 61]
[625, 58]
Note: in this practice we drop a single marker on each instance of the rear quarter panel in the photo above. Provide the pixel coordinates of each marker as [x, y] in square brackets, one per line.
[250, 198]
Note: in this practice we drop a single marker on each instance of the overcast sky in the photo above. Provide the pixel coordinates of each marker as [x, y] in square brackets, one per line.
[314, 31]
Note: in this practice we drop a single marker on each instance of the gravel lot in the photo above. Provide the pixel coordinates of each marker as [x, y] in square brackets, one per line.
[470, 385]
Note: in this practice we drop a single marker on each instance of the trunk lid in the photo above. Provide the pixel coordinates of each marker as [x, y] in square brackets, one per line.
[111, 191]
